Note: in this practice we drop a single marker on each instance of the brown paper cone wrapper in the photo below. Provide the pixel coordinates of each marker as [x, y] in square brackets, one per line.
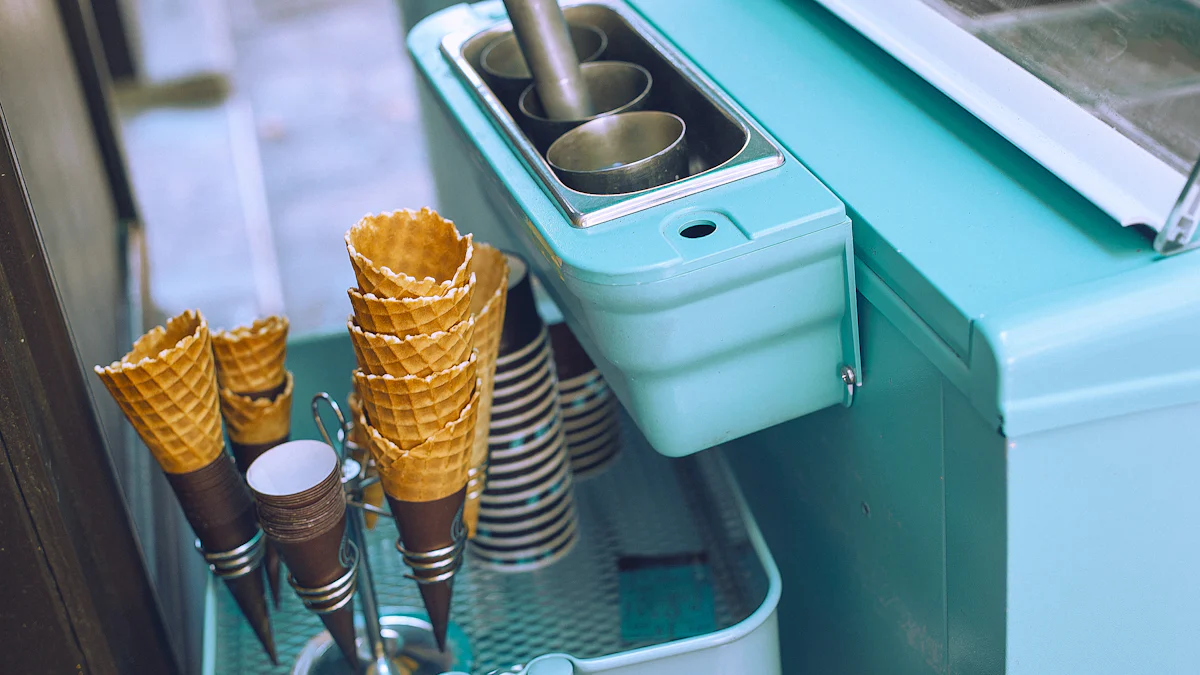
[166, 386]
[256, 423]
[218, 506]
[412, 316]
[428, 526]
[409, 410]
[431, 470]
[308, 529]
[251, 358]
[315, 563]
[406, 254]
[487, 308]
[420, 354]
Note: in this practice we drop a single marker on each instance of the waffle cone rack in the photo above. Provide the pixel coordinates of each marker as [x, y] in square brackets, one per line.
[383, 657]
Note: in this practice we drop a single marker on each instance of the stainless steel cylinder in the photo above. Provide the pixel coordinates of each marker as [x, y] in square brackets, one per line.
[622, 153]
[615, 86]
[542, 33]
[507, 72]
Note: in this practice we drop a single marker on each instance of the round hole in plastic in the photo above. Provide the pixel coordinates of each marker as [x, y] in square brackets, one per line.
[697, 229]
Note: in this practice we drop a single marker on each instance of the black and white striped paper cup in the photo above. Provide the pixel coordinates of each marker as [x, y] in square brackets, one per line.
[589, 411]
[527, 512]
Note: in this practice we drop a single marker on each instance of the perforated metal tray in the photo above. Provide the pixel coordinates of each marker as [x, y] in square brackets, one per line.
[646, 507]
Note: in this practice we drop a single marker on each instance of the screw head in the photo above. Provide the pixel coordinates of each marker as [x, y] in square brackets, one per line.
[849, 376]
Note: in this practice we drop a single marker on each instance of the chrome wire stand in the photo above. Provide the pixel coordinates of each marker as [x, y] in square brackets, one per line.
[395, 644]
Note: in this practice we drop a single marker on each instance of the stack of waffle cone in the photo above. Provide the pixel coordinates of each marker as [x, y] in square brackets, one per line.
[167, 387]
[487, 309]
[414, 338]
[256, 399]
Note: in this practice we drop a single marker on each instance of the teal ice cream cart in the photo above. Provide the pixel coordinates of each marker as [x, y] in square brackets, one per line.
[961, 399]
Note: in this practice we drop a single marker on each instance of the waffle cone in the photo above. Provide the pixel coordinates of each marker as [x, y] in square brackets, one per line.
[412, 316]
[419, 355]
[252, 421]
[487, 308]
[432, 470]
[407, 254]
[167, 387]
[408, 410]
[251, 358]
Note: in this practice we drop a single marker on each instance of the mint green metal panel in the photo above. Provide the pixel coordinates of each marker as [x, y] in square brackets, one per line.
[931, 189]
[1103, 546]
[851, 503]
[976, 543]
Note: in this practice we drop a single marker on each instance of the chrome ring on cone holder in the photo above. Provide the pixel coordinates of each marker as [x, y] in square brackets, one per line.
[235, 563]
[442, 562]
[334, 595]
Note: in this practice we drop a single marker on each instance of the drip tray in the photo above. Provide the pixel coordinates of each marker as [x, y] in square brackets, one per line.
[666, 552]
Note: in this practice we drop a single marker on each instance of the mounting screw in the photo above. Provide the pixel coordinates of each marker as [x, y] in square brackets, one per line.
[851, 379]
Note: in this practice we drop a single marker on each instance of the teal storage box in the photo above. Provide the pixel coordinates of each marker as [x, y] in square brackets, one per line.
[717, 305]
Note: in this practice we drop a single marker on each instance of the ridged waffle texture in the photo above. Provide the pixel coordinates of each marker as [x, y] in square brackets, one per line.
[407, 253]
[408, 410]
[412, 316]
[251, 358]
[487, 308]
[252, 421]
[419, 355]
[167, 387]
[432, 470]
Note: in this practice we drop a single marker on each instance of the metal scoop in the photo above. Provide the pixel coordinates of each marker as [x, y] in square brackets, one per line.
[541, 31]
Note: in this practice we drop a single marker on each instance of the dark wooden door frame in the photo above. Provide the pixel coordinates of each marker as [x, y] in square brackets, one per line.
[73, 582]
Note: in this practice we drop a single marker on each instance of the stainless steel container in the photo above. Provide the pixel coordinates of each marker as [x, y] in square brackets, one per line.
[622, 153]
[615, 86]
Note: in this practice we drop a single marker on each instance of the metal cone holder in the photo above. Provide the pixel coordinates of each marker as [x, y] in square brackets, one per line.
[235, 563]
[441, 564]
[395, 644]
[336, 594]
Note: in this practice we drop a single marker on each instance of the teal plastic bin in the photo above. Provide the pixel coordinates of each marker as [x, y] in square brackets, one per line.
[715, 306]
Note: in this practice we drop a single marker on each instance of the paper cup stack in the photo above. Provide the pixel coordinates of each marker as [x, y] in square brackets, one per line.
[167, 387]
[527, 511]
[418, 376]
[302, 509]
[589, 410]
